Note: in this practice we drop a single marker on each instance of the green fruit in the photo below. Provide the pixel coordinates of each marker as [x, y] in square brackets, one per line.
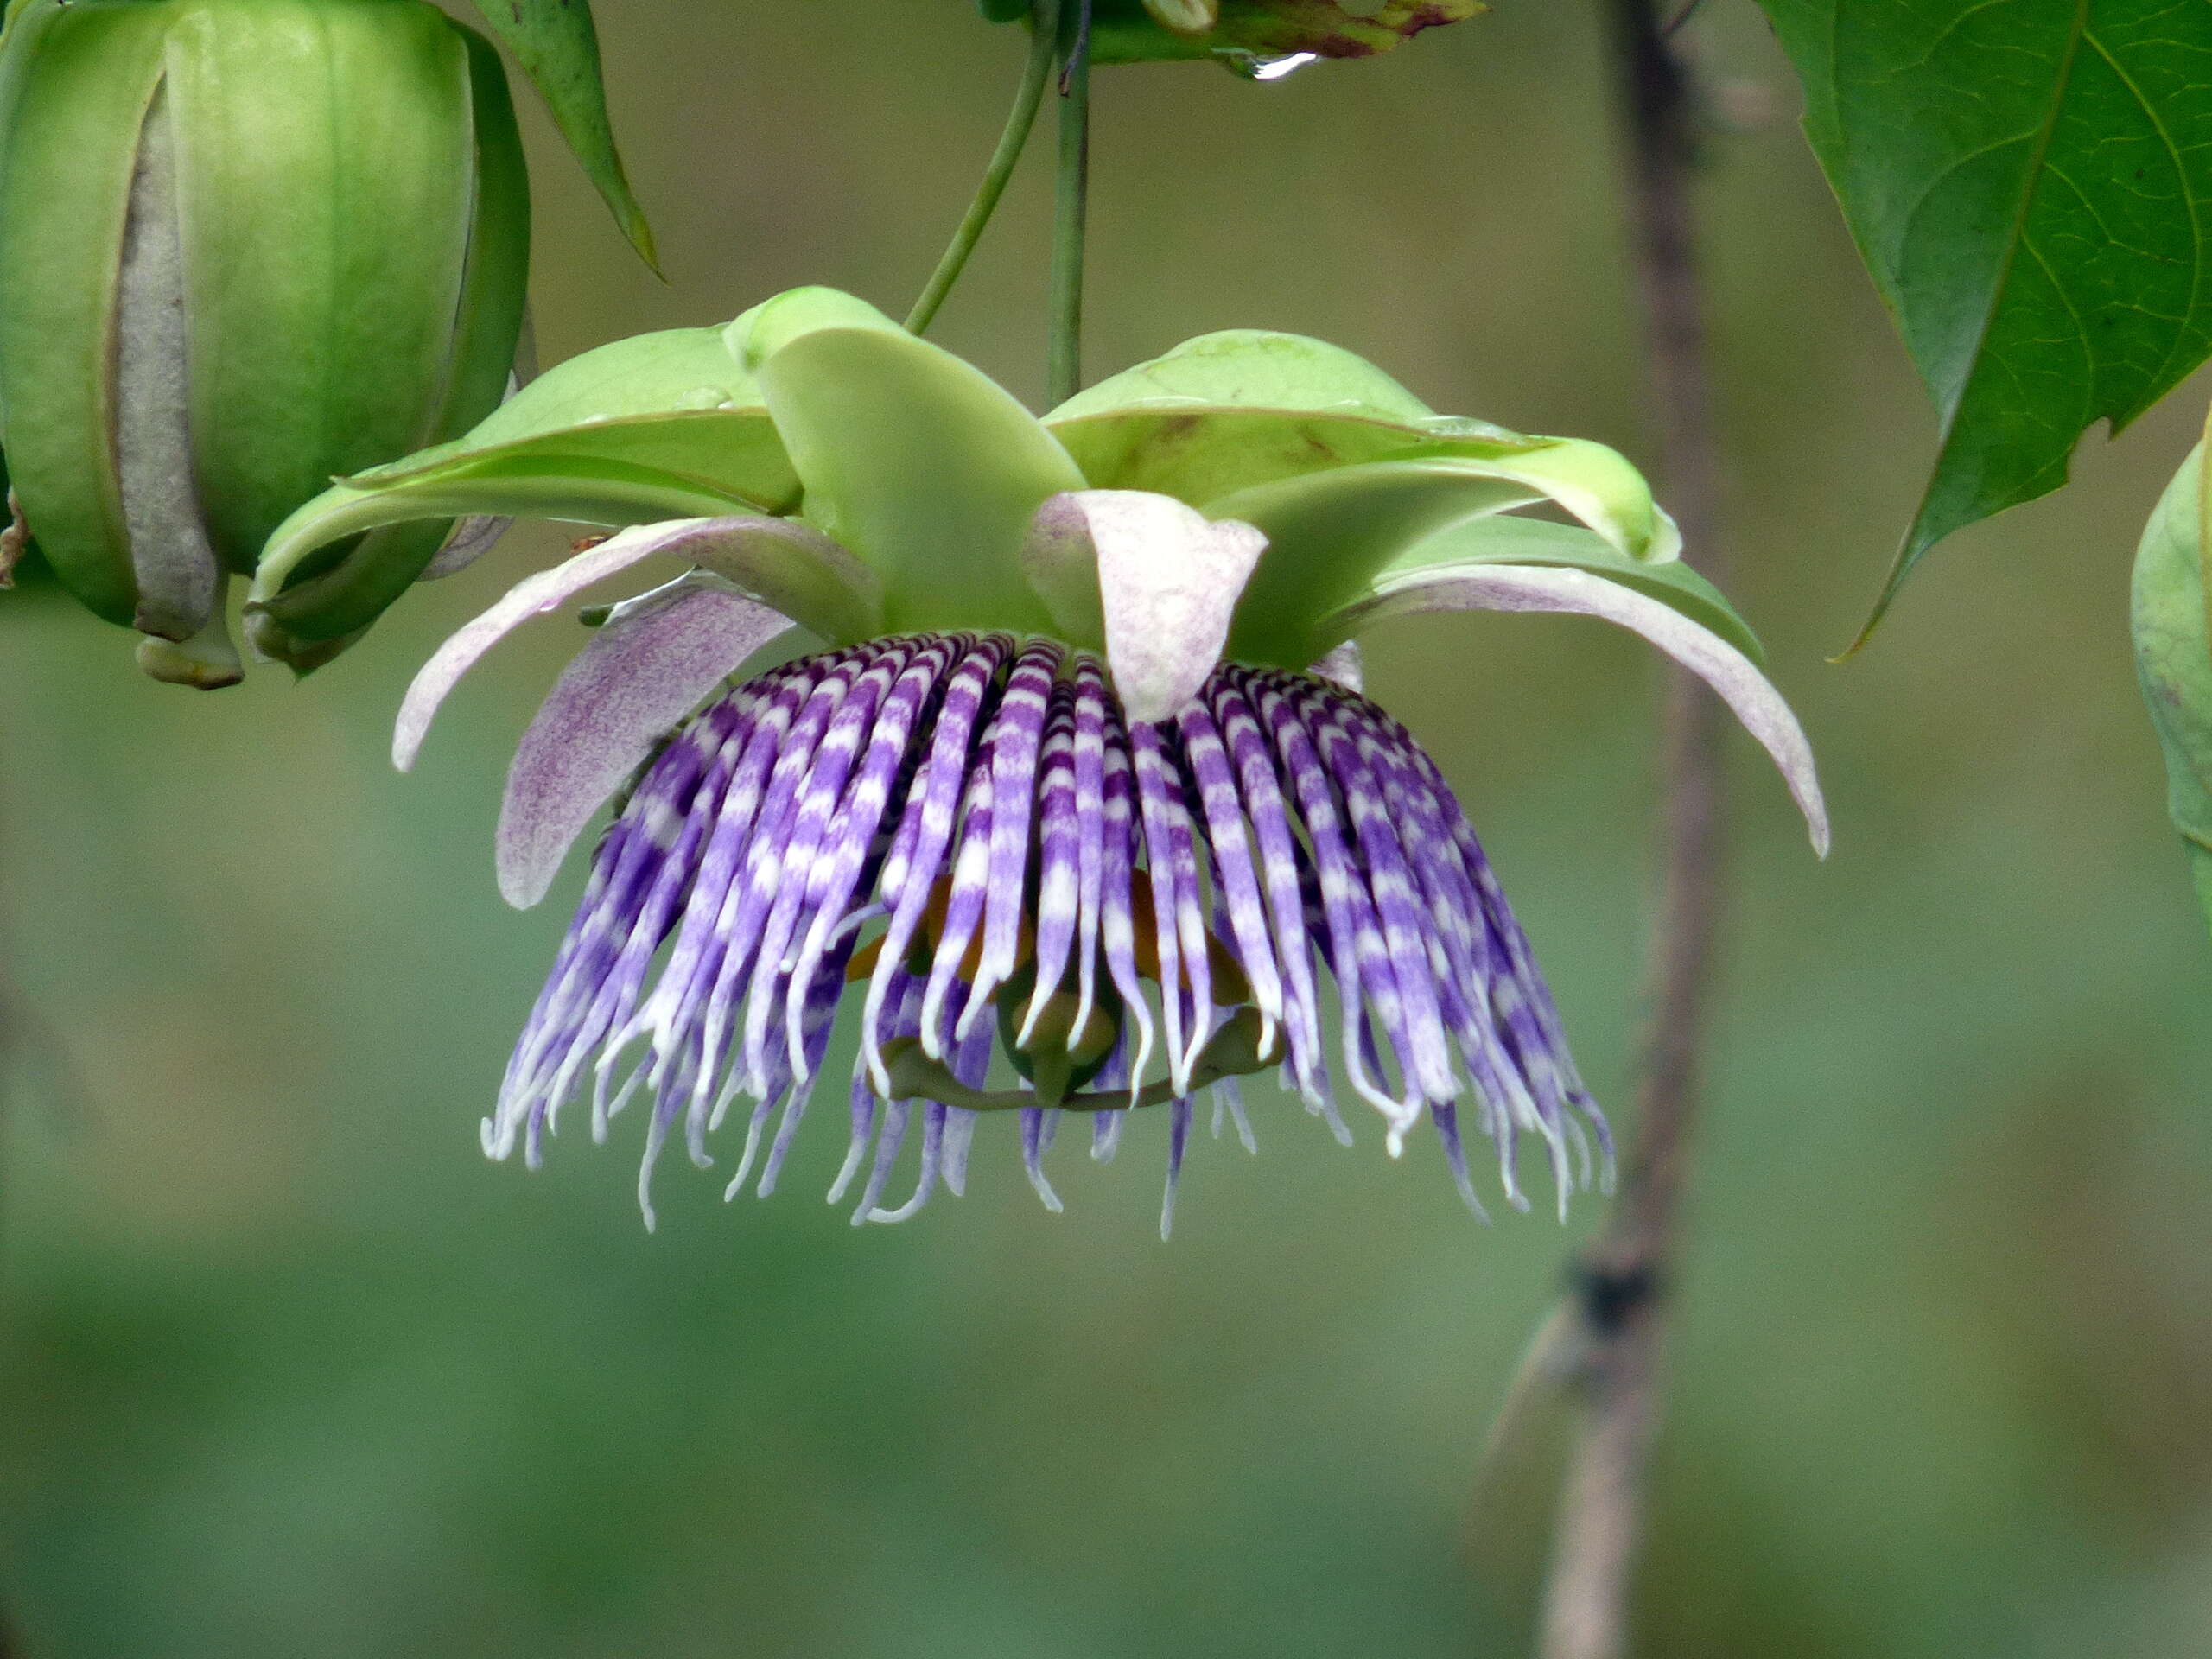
[2173, 654]
[246, 246]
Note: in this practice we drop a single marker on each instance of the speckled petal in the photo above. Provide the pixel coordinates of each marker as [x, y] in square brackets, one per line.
[630, 685]
[546, 591]
[1731, 675]
[1156, 580]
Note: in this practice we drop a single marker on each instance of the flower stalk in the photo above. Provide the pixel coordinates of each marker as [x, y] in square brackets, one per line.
[1036, 70]
[1071, 207]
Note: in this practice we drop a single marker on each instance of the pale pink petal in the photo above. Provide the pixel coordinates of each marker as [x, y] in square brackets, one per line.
[642, 672]
[1532, 587]
[539, 594]
[797, 570]
[1155, 580]
[1342, 666]
[469, 540]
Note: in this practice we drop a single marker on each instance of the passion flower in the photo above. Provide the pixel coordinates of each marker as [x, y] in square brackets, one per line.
[246, 245]
[1081, 807]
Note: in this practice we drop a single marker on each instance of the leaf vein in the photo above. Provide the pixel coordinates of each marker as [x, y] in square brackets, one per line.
[2189, 199]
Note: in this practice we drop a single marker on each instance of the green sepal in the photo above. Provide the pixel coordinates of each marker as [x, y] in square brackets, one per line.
[1256, 368]
[2173, 654]
[1330, 533]
[664, 425]
[321, 607]
[495, 287]
[78, 118]
[364, 302]
[676, 401]
[558, 46]
[1226, 411]
[311, 612]
[1229, 412]
[1537, 541]
[921, 465]
[783, 318]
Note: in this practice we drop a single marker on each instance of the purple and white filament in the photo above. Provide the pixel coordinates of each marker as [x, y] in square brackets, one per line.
[934, 824]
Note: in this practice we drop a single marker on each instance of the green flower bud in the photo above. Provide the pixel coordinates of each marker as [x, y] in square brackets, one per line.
[2173, 655]
[246, 246]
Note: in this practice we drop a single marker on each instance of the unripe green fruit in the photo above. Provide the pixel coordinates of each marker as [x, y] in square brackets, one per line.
[246, 246]
[2173, 655]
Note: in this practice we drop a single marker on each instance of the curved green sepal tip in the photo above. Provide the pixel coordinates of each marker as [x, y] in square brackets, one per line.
[676, 372]
[785, 318]
[660, 426]
[2173, 654]
[928, 470]
[342, 601]
[1330, 533]
[1253, 368]
[1229, 412]
[1536, 541]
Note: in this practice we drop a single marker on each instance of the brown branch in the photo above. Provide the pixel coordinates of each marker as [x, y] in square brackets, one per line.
[1623, 1279]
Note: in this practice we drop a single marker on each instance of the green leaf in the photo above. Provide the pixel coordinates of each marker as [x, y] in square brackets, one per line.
[919, 463]
[2030, 185]
[1228, 412]
[1537, 541]
[558, 46]
[2173, 655]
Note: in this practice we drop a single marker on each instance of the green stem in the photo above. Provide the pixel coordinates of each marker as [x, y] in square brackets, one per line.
[1063, 360]
[1623, 1289]
[1012, 141]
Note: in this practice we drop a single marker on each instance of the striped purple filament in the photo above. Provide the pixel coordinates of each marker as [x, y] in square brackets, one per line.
[963, 835]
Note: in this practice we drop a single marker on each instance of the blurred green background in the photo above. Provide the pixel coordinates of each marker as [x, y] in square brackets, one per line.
[286, 1369]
